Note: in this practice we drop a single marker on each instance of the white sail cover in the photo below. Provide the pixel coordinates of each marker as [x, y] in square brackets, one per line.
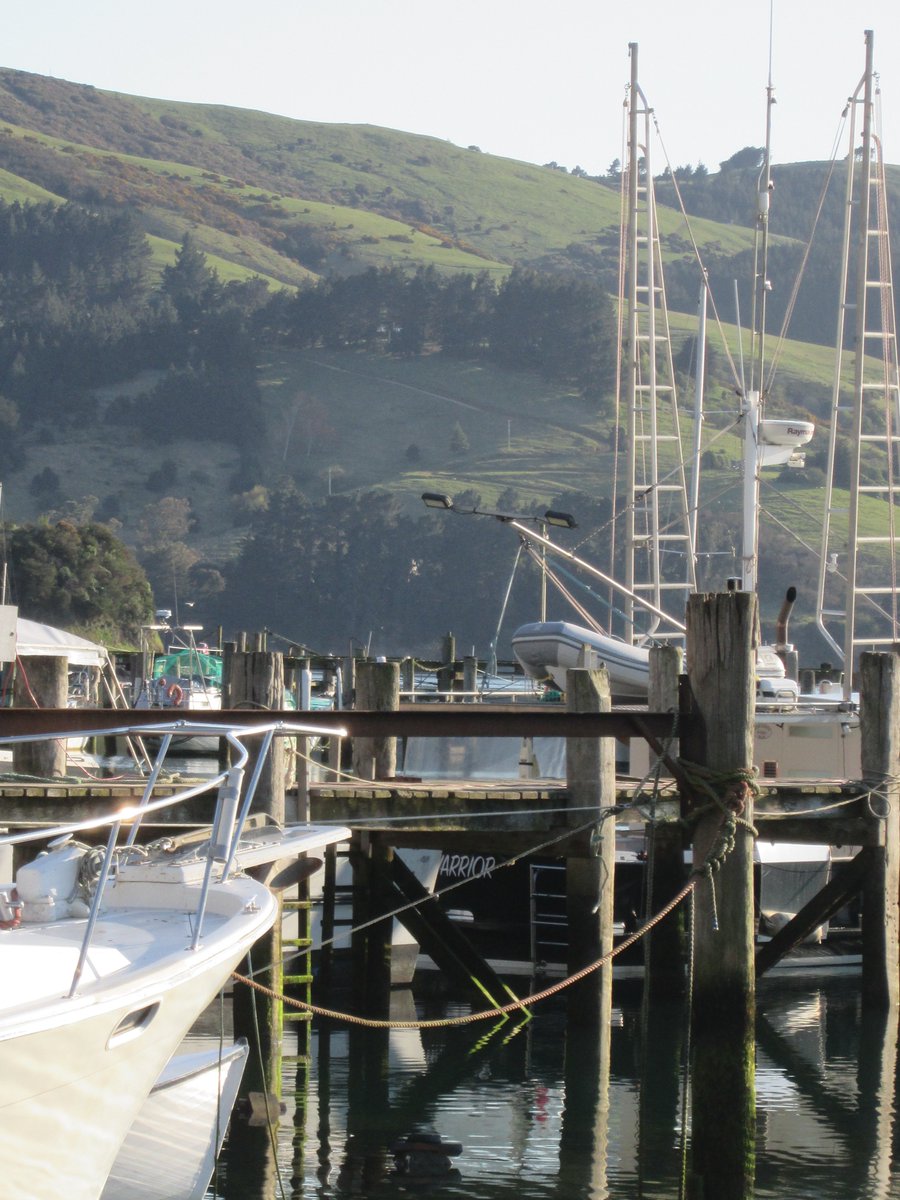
[33, 638]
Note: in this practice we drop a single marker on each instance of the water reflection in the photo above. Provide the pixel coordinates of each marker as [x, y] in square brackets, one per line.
[543, 1112]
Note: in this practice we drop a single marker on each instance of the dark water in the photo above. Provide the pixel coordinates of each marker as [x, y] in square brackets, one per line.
[523, 1102]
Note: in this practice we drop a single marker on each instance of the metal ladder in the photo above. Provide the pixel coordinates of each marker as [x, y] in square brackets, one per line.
[857, 605]
[659, 553]
[548, 923]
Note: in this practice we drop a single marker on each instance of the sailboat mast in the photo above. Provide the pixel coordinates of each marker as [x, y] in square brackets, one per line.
[631, 332]
[857, 606]
[754, 398]
[863, 201]
[659, 566]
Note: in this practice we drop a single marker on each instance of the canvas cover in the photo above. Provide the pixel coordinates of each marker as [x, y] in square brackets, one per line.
[33, 638]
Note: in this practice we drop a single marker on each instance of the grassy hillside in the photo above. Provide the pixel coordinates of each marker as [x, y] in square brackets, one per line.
[292, 201]
[250, 186]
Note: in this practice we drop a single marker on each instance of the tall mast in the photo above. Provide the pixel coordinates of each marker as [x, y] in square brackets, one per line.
[754, 399]
[659, 564]
[857, 590]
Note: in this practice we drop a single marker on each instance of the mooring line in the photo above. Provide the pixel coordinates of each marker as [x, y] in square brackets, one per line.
[485, 1014]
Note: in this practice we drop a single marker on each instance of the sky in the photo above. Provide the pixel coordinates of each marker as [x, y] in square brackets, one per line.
[533, 81]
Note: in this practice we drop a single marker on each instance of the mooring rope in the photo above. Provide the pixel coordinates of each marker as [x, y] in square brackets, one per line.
[458, 883]
[485, 1014]
[727, 792]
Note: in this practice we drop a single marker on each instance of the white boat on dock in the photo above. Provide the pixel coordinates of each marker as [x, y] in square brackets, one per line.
[108, 954]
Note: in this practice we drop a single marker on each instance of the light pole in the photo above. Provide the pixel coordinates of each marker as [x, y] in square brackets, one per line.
[558, 520]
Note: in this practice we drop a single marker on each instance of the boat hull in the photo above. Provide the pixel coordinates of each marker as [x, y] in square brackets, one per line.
[74, 1073]
[187, 1113]
[548, 649]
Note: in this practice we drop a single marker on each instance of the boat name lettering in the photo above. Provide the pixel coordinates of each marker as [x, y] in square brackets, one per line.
[467, 866]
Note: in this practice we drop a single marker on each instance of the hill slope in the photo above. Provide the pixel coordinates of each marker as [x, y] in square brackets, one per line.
[285, 197]
[294, 201]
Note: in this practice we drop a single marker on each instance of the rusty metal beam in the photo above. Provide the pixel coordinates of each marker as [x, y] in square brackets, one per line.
[420, 720]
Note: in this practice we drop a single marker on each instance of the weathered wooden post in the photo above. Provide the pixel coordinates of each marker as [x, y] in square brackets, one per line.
[446, 670]
[722, 635]
[590, 872]
[470, 677]
[664, 962]
[256, 680]
[591, 785]
[664, 945]
[41, 682]
[408, 675]
[880, 751]
[371, 939]
[302, 686]
[377, 690]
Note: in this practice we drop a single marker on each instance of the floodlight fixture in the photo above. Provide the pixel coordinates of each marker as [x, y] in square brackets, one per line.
[560, 520]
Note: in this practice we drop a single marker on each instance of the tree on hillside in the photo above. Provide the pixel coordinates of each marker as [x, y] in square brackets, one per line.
[80, 577]
[164, 552]
[561, 327]
[414, 313]
[189, 283]
[459, 442]
[751, 158]
[464, 313]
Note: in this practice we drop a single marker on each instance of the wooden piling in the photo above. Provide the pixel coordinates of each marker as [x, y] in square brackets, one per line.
[664, 973]
[722, 635]
[41, 682]
[880, 750]
[470, 676]
[590, 868]
[446, 670]
[372, 936]
[256, 680]
[377, 690]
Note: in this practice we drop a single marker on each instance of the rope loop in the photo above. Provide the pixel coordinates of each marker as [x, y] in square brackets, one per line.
[729, 793]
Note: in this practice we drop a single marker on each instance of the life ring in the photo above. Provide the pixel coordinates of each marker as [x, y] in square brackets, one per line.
[175, 694]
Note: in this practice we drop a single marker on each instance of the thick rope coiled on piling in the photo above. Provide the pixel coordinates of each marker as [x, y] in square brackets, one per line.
[728, 792]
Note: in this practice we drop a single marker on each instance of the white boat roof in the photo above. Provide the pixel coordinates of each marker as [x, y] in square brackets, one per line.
[34, 638]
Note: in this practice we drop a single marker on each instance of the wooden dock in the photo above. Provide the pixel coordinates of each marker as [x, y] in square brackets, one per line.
[455, 813]
[715, 806]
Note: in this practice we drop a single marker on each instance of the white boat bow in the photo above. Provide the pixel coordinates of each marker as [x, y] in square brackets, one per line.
[107, 957]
